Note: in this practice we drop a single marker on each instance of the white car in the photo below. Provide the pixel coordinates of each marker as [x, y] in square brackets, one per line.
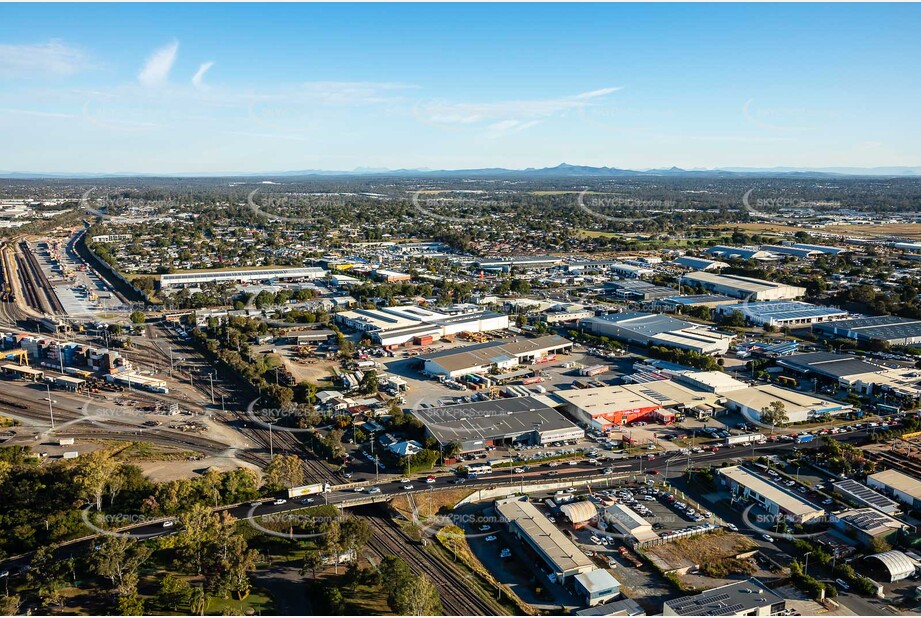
[505, 553]
[279, 502]
[404, 480]
[733, 527]
[408, 486]
[768, 538]
[485, 527]
[374, 490]
[255, 504]
[490, 538]
[169, 523]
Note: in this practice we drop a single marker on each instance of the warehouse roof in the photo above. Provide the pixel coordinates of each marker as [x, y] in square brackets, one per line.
[699, 263]
[871, 521]
[556, 546]
[745, 284]
[487, 420]
[882, 327]
[480, 354]
[598, 580]
[863, 494]
[609, 399]
[787, 500]
[897, 563]
[783, 310]
[898, 481]
[829, 364]
[578, 512]
[730, 600]
[757, 397]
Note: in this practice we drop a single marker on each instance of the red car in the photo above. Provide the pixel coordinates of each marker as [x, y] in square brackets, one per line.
[653, 472]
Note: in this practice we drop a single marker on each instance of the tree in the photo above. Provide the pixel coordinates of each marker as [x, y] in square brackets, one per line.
[198, 601]
[312, 561]
[775, 413]
[369, 383]
[175, 593]
[118, 560]
[94, 474]
[284, 471]
[137, 317]
[417, 597]
[9, 605]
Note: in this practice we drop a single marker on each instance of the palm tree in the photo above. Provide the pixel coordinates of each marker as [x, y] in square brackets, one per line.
[197, 601]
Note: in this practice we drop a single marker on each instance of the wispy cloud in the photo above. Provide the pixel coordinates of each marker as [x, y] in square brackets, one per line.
[506, 116]
[53, 58]
[158, 66]
[200, 74]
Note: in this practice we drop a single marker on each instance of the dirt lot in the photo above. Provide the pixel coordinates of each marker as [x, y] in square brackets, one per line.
[712, 548]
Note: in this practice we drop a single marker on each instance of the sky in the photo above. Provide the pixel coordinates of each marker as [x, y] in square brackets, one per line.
[220, 88]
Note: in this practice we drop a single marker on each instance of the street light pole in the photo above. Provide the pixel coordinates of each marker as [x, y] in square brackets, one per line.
[211, 380]
[50, 406]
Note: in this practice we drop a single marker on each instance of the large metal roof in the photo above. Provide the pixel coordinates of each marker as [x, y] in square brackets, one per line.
[897, 563]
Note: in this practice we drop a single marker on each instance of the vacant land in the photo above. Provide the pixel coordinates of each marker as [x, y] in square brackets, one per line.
[703, 551]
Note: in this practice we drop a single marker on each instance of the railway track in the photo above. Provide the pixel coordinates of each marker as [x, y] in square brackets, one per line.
[43, 288]
[457, 597]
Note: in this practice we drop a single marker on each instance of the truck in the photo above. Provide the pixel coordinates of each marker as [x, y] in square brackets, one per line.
[805, 437]
[593, 370]
[307, 490]
[745, 438]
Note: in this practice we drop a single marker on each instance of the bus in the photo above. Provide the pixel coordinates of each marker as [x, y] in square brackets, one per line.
[474, 470]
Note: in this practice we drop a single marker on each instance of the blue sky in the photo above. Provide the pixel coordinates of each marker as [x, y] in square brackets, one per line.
[208, 88]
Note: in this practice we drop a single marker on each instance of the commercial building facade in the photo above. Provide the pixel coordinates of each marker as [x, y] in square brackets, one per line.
[782, 314]
[501, 355]
[745, 598]
[773, 498]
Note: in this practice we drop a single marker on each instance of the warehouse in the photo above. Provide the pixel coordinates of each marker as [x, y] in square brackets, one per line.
[891, 566]
[677, 303]
[394, 326]
[632, 289]
[391, 276]
[746, 288]
[695, 263]
[609, 407]
[554, 549]
[481, 358]
[629, 271]
[825, 249]
[792, 251]
[628, 522]
[655, 329]
[477, 425]
[887, 328]
[867, 525]
[781, 314]
[241, 276]
[580, 513]
[775, 499]
[743, 598]
[597, 587]
[858, 374]
[863, 495]
[710, 381]
[743, 253]
[799, 407]
[904, 488]
[521, 263]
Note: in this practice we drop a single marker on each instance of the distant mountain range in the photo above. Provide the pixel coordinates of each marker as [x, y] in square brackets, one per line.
[564, 170]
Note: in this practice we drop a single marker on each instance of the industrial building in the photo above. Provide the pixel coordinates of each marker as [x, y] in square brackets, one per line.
[483, 357]
[479, 424]
[904, 488]
[792, 251]
[676, 303]
[774, 498]
[521, 263]
[744, 598]
[825, 249]
[632, 289]
[781, 314]
[890, 329]
[394, 326]
[620, 607]
[726, 252]
[891, 566]
[559, 555]
[629, 523]
[580, 513]
[799, 407]
[863, 495]
[746, 288]
[867, 525]
[858, 374]
[710, 381]
[630, 271]
[609, 407]
[597, 587]
[391, 276]
[649, 329]
[695, 263]
[241, 276]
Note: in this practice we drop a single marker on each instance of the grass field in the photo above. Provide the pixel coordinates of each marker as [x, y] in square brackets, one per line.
[906, 230]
